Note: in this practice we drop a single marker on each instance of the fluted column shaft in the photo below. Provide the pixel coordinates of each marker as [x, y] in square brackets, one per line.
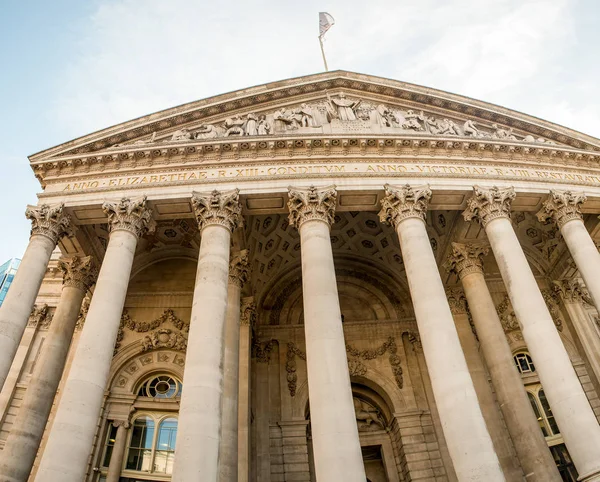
[200, 415]
[70, 441]
[532, 450]
[468, 439]
[18, 456]
[118, 453]
[336, 446]
[569, 403]
[48, 224]
[563, 208]
[247, 317]
[228, 458]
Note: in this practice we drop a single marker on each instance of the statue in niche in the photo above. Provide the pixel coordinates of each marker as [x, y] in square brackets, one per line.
[342, 108]
[412, 121]
[207, 131]
[182, 135]
[366, 415]
[234, 126]
[263, 127]
[290, 120]
[251, 125]
[500, 133]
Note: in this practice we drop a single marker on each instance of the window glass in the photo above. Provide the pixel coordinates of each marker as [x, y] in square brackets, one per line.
[110, 442]
[564, 463]
[548, 412]
[524, 363]
[162, 386]
[538, 415]
[165, 446]
[140, 447]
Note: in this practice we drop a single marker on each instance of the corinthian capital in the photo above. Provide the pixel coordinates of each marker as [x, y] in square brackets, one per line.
[466, 259]
[561, 207]
[571, 290]
[49, 221]
[216, 207]
[402, 202]
[78, 272]
[312, 203]
[488, 204]
[248, 312]
[129, 215]
[239, 268]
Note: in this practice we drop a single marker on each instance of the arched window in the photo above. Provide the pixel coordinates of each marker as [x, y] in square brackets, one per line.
[543, 413]
[524, 362]
[151, 450]
[161, 386]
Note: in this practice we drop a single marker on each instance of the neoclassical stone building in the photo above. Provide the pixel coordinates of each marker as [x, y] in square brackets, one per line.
[330, 278]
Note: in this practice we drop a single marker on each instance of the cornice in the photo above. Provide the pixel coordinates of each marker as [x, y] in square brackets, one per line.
[294, 89]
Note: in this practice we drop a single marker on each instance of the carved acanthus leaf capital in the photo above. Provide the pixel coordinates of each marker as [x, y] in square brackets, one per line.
[310, 204]
[248, 312]
[488, 204]
[129, 215]
[561, 207]
[466, 259]
[49, 221]
[78, 272]
[239, 268]
[572, 291]
[221, 208]
[402, 202]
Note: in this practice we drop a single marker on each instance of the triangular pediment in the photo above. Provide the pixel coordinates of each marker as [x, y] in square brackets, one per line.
[340, 103]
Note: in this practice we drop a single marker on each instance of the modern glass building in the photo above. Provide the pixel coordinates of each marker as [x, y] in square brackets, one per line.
[7, 273]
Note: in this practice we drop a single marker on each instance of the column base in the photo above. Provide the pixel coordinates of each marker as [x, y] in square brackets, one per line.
[590, 476]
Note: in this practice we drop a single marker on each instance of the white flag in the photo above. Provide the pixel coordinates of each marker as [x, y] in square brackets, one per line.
[326, 21]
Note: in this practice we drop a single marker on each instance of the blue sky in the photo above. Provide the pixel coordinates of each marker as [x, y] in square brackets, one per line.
[73, 67]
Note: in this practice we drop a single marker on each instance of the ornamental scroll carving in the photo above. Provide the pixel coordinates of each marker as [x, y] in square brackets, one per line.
[341, 114]
[290, 366]
[40, 317]
[312, 203]
[488, 204]
[248, 312]
[262, 351]
[509, 320]
[239, 268]
[404, 202]
[129, 215]
[220, 208]
[77, 272]
[176, 339]
[572, 290]
[49, 221]
[561, 207]
[85, 307]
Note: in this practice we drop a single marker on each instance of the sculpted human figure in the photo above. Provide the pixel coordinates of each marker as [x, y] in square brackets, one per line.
[207, 131]
[469, 129]
[251, 125]
[234, 126]
[412, 120]
[448, 127]
[500, 133]
[263, 127]
[181, 135]
[365, 415]
[342, 108]
[381, 115]
[307, 117]
[289, 119]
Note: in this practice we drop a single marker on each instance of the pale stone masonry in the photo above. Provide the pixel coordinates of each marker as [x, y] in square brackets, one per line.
[277, 284]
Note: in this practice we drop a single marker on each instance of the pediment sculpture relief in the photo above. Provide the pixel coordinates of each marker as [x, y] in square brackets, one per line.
[368, 417]
[339, 114]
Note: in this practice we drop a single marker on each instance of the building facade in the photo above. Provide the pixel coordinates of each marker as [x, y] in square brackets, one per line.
[336, 277]
[7, 274]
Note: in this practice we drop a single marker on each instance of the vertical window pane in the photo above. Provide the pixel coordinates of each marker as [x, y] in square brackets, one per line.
[165, 446]
[538, 415]
[139, 456]
[110, 442]
[548, 412]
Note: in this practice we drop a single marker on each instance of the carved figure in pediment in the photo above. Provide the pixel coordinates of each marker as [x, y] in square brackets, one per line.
[289, 120]
[263, 127]
[500, 133]
[469, 129]
[234, 126]
[412, 121]
[307, 116]
[382, 116]
[251, 125]
[181, 135]
[207, 131]
[342, 108]
[366, 415]
[446, 127]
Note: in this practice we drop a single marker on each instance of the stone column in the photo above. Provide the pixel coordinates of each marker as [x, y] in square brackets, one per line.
[464, 428]
[578, 425]
[118, 453]
[16, 460]
[574, 295]
[200, 416]
[239, 271]
[48, 224]
[336, 445]
[247, 321]
[563, 208]
[66, 454]
[537, 462]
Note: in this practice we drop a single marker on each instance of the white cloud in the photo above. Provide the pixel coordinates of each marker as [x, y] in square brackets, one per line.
[136, 58]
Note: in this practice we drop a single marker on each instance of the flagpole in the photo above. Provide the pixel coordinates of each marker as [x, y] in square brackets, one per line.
[323, 52]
